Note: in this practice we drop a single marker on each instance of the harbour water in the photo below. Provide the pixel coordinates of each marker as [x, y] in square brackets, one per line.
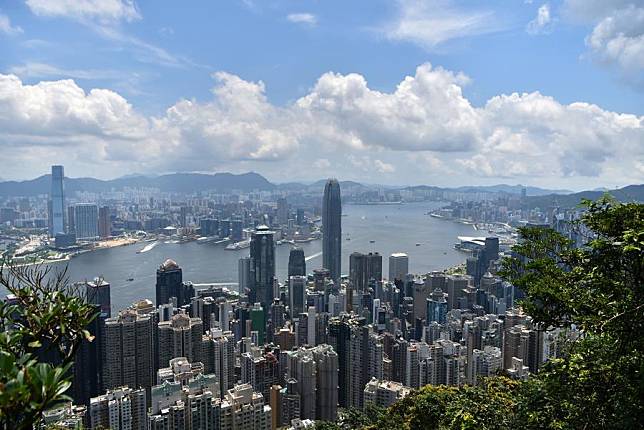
[382, 228]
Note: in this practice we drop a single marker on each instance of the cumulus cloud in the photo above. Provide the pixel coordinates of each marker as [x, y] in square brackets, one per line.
[341, 125]
[431, 23]
[542, 24]
[102, 10]
[302, 18]
[617, 37]
[6, 27]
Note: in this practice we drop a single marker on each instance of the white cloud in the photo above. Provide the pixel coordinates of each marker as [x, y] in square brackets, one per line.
[434, 22]
[101, 10]
[302, 18]
[44, 70]
[341, 126]
[6, 27]
[542, 24]
[617, 37]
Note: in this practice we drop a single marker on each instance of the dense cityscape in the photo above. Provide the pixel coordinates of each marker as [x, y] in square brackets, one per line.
[281, 353]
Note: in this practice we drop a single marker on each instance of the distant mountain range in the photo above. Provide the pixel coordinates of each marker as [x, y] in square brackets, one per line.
[176, 182]
[246, 182]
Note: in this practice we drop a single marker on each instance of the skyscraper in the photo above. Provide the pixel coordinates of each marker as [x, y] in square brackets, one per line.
[57, 201]
[104, 222]
[262, 254]
[180, 337]
[245, 276]
[398, 266]
[86, 221]
[98, 293]
[297, 295]
[121, 408]
[332, 229]
[169, 284]
[296, 262]
[363, 268]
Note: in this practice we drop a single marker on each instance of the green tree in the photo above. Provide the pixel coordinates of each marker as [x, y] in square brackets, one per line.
[42, 328]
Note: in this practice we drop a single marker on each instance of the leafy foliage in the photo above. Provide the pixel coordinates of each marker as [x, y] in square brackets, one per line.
[42, 328]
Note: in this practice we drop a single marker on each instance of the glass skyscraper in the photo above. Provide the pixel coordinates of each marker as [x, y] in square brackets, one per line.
[262, 254]
[57, 202]
[332, 229]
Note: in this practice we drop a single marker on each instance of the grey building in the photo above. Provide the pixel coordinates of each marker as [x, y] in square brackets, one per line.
[296, 262]
[332, 229]
[86, 221]
[262, 254]
[57, 201]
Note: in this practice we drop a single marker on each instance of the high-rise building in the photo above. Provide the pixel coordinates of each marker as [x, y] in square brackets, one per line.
[244, 409]
[296, 262]
[297, 295]
[363, 268]
[262, 254]
[260, 369]
[129, 350]
[169, 284]
[326, 403]
[57, 201]
[282, 211]
[365, 360]
[437, 307]
[332, 229]
[122, 408]
[88, 381]
[398, 266]
[86, 221]
[219, 358]
[245, 275]
[384, 393]
[104, 222]
[181, 336]
[97, 292]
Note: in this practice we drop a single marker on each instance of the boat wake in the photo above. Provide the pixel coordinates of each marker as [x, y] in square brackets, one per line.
[311, 257]
[147, 247]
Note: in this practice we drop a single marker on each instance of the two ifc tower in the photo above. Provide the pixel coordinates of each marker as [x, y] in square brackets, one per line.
[332, 230]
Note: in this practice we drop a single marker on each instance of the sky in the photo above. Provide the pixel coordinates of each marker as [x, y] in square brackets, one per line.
[437, 92]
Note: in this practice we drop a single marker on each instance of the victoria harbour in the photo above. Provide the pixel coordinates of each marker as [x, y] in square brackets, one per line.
[392, 228]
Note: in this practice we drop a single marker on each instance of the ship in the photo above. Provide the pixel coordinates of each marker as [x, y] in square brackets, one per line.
[238, 245]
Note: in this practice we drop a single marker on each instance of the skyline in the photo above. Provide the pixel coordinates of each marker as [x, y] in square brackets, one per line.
[304, 92]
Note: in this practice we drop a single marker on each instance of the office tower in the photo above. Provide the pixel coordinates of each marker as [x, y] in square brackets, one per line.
[299, 217]
[297, 295]
[129, 350]
[245, 275]
[491, 250]
[104, 222]
[437, 307]
[183, 217]
[169, 284]
[71, 227]
[301, 367]
[57, 201]
[363, 268]
[243, 409]
[398, 266]
[180, 337]
[236, 229]
[260, 369]
[219, 358]
[282, 211]
[384, 393]
[523, 343]
[340, 339]
[97, 292]
[456, 284]
[122, 408]
[332, 229]
[86, 221]
[296, 262]
[262, 254]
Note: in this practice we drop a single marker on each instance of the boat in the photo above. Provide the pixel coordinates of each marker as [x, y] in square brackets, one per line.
[238, 245]
[348, 238]
[372, 241]
[130, 279]
[147, 247]
[418, 244]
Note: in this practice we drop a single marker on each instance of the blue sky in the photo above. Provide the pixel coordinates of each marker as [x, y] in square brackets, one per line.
[278, 111]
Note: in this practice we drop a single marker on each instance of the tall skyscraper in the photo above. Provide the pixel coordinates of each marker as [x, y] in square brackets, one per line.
[86, 221]
[104, 222]
[169, 284]
[282, 211]
[180, 337]
[297, 295]
[245, 275]
[121, 408]
[363, 268]
[332, 229]
[57, 201]
[296, 262]
[97, 292]
[262, 254]
[398, 266]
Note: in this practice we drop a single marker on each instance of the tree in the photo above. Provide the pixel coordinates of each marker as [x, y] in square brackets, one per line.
[42, 327]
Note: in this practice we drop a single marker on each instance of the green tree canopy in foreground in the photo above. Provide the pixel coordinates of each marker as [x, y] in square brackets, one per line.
[40, 332]
[599, 384]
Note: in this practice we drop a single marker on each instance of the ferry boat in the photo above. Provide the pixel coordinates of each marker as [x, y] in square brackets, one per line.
[238, 245]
